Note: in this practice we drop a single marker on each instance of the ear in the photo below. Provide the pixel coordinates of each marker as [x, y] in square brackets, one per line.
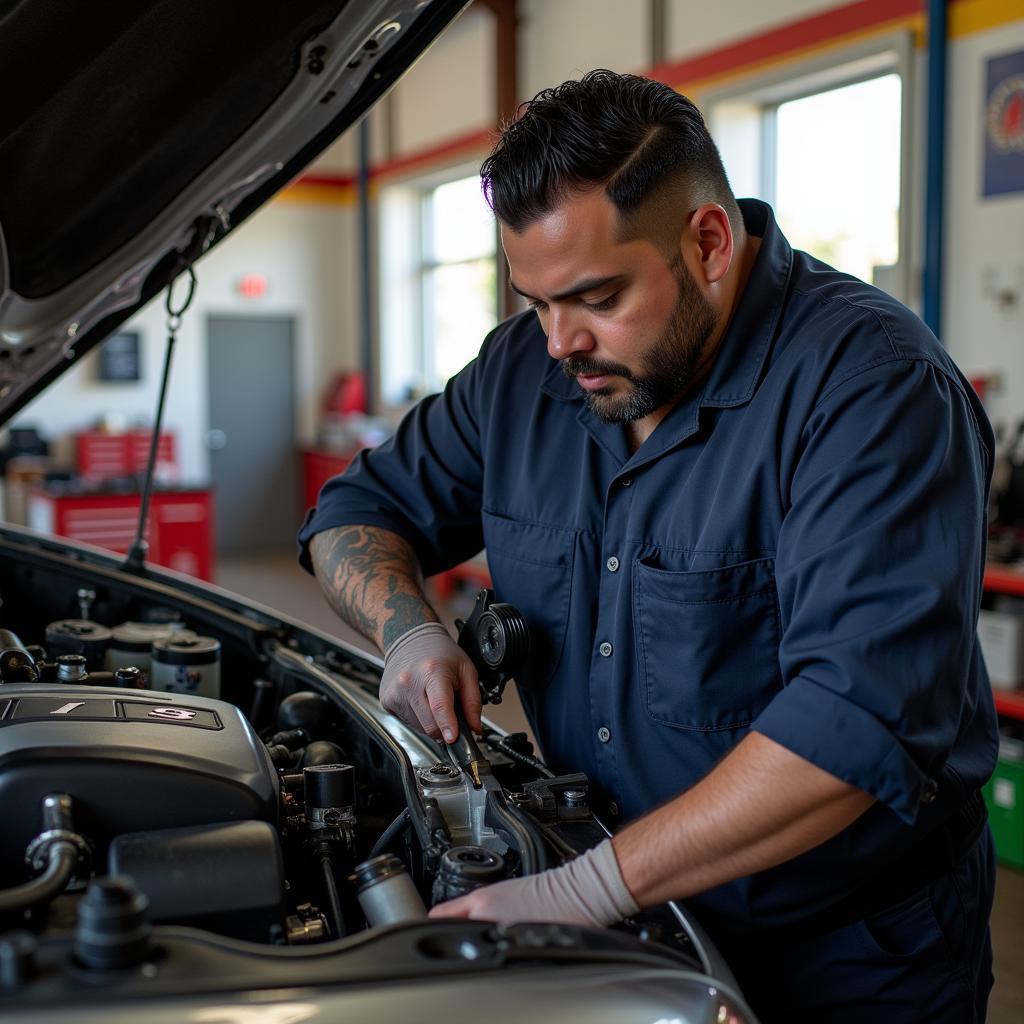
[710, 237]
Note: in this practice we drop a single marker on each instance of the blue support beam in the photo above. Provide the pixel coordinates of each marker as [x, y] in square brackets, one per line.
[935, 177]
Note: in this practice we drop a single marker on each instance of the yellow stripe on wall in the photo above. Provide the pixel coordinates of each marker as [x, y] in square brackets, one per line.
[969, 16]
[325, 195]
[966, 17]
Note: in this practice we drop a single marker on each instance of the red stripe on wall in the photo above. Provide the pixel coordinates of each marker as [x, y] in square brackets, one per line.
[795, 35]
[470, 143]
[327, 180]
[816, 30]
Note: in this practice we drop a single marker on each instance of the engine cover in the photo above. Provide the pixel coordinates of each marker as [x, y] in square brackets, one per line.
[131, 761]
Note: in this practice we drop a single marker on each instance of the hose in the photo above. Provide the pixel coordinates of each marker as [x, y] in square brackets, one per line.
[61, 866]
[389, 834]
[497, 741]
[333, 898]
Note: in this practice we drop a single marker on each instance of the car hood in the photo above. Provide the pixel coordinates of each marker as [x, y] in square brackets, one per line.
[134, 136]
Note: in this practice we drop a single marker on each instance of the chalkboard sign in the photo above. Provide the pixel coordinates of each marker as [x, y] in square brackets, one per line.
[120, 360]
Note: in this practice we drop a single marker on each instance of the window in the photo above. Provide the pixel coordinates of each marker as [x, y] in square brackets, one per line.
[845, 212]
[440, 289]
[827, 147]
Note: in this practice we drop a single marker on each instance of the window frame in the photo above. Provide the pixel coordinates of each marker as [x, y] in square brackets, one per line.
[413, 291]
[891, 53]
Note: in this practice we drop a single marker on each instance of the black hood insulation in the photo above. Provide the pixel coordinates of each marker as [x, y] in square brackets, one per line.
[115, 113]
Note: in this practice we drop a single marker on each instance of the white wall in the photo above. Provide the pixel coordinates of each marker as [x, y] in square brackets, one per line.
[453, 84]
[305, 254]
[984, 237]
[695, 28]
[309, 253]
[561, 39]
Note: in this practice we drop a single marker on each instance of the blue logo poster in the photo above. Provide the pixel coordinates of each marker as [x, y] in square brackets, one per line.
[1004, 125]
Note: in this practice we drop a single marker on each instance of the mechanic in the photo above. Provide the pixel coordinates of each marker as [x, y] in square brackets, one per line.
[740, 498]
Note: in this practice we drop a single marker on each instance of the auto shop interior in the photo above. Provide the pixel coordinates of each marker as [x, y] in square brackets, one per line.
[888, 138]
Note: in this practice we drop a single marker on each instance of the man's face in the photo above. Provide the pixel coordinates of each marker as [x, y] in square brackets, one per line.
[627, 323]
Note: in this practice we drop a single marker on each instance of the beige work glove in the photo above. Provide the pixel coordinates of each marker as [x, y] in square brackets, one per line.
[424, 669]
[588, 890]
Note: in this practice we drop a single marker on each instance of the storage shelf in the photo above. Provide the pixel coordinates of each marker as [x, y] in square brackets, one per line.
[1009, 703]
[1004, 580]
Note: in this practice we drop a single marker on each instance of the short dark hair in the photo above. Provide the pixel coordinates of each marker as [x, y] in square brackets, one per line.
[631, 134]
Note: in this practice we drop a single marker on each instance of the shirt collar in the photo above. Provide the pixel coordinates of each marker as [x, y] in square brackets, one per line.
[747, 341]
[748, 338]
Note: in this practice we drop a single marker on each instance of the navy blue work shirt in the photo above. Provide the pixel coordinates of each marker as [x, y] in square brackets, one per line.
[797, 548]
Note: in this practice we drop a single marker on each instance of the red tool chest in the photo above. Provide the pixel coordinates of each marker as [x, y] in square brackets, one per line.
[317, 468]
[102, 456]
[179, 533]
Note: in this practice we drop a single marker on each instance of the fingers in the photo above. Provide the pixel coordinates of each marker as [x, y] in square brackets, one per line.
[424, 696]
[440, 698]
[469, 691]
[507, 902]
[460, 907]
[425, 674]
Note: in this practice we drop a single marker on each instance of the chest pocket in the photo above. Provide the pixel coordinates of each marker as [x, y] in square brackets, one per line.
[708, 643]
[531, 566]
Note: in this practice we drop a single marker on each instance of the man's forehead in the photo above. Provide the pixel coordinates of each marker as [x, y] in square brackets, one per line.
[580, 238]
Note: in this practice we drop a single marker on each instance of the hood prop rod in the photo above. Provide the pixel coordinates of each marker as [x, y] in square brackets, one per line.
[137, 553]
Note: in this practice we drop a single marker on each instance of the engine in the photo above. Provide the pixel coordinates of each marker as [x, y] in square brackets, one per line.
[304, 819]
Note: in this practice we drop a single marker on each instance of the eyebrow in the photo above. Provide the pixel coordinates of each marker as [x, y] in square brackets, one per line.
[588, 284]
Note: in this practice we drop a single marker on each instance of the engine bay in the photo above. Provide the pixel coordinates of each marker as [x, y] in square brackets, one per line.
[185, 770]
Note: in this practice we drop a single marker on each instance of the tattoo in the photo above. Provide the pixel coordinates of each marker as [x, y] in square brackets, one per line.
[371, 578]
[407, 612]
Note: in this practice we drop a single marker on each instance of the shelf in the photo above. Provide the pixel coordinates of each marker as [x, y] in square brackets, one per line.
[1009, 703]
[1003, 579]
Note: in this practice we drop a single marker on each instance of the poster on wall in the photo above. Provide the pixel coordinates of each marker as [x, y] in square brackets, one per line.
[1004, 125]
[120, 360]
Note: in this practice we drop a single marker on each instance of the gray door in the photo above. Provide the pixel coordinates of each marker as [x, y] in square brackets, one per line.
[253, 460]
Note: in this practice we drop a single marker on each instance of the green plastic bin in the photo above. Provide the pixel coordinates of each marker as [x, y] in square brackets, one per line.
[1004, 794]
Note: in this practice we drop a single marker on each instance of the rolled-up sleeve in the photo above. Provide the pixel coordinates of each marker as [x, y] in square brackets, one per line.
[879, 571]
[424, 484]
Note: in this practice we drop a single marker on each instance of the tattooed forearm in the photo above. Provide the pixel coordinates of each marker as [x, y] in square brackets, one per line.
[372, 580]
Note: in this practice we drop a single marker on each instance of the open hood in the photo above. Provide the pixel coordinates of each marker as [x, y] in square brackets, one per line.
[136, 134]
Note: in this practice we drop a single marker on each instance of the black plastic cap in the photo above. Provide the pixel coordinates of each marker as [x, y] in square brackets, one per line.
[113, 928]
[130, 678]
[329, 785]
[472, 864]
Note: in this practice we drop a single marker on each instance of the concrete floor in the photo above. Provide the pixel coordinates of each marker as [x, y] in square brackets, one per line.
[277, 581]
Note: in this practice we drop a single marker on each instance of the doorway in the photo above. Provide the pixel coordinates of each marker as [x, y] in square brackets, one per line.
[251, 435]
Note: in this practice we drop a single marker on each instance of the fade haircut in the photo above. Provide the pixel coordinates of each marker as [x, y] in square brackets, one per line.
[638, 138]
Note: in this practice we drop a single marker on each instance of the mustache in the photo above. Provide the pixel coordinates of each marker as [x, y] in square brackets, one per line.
[583, 366]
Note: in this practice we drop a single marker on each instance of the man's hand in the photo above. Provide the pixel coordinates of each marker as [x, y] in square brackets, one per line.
[424, 669]
[587, 891]
[372, 579]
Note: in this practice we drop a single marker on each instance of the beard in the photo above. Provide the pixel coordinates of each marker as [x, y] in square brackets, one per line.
[668, 366]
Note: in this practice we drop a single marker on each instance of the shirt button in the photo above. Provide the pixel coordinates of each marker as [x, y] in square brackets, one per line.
[626, 481]
[931, 790]
[605, 649]
[613, 808]
[612, 564]
[604, 734]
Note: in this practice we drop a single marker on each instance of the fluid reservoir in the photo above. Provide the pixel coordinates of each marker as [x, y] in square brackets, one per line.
[186, 664]
[132, 643]
[79, 636]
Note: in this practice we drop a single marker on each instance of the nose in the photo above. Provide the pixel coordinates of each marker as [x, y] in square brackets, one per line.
[566, 335]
